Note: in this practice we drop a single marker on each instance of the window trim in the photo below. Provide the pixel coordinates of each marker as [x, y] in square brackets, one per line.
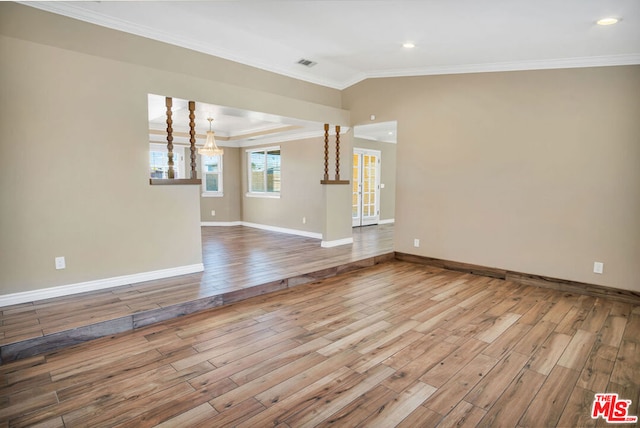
[178, 158]
[207, 193]
[253, 194]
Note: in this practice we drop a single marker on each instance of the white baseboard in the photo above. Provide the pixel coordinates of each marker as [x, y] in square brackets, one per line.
[81, 287]
[284, 230]
[387, 221]
[337, 242]
[221, 223]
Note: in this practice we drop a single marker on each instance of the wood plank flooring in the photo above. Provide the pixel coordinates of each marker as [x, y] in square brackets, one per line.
[239, 262]
[396, 344]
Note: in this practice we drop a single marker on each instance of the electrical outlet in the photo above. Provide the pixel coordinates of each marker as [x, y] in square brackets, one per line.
[60, 263]
[213, 213]
[416, 243]
[598, 267]
[304, 220]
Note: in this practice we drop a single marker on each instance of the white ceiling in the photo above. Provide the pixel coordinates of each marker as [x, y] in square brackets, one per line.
[385, 132]
[351, 40]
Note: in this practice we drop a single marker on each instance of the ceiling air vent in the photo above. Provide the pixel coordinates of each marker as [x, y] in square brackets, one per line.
[307, 62]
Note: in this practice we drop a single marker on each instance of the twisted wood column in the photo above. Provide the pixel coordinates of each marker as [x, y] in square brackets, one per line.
[337, 152]
[192, 138]
[326, 151]
[171, 172]
[326, 179]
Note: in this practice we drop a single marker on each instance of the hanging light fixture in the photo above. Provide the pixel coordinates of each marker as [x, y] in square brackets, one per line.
[210, 148]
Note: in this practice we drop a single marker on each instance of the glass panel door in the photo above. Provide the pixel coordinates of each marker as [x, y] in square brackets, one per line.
[366, 187]
[356, 196]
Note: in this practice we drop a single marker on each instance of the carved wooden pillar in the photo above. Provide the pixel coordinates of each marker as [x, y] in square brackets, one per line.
[192, 138]
[336, 180]
[337, 152]
[169, 103]
[171, 173]
[326, 151]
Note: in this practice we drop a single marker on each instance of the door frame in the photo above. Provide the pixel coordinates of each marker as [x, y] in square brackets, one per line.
[358, 174]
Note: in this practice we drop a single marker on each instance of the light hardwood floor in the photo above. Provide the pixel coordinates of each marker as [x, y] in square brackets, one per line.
[396, 344]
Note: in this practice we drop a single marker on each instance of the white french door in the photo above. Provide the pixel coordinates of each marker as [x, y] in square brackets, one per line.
[365, 209]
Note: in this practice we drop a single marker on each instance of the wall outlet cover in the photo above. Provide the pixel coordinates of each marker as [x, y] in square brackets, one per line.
[598, 267]
[60, 263]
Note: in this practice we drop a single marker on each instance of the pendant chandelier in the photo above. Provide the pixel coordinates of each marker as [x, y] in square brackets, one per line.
[210, 148]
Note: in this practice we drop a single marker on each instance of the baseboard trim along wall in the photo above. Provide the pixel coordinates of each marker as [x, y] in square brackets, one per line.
[265, 227]
[387, 221]
[337, 242]
[221, 223]
[564, 285]
[324, 244]
[82, 287]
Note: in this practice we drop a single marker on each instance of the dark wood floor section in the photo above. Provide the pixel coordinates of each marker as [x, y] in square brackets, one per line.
[396, 344]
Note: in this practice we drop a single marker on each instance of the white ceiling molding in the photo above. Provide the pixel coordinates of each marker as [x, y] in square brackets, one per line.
[595, 61]
[75, 12]
[452, 37]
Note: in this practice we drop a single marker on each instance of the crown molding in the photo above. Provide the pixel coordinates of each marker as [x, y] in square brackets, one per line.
[75, 12]
[578, 62]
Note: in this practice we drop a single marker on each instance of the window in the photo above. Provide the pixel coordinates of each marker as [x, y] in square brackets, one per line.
[159, 162]
[211, 175]
[264, 172]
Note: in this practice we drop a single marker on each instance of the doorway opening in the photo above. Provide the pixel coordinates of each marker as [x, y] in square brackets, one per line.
[374, 174]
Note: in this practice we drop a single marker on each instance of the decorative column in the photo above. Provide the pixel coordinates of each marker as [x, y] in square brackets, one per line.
[326, 179]
[337, 152]
[192, 138]
[171, 172]
[326, 152]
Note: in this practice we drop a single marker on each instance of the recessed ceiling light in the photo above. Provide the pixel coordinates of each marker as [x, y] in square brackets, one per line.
[408, 45]
[607, 21]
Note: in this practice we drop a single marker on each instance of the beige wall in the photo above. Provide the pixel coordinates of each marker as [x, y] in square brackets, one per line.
[535, 171]
[326, 208]
[74, 181]
[387, 174]
[301, 192]
[228, 208]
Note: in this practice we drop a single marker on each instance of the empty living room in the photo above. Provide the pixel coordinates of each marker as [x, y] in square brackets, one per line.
[320, 213]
